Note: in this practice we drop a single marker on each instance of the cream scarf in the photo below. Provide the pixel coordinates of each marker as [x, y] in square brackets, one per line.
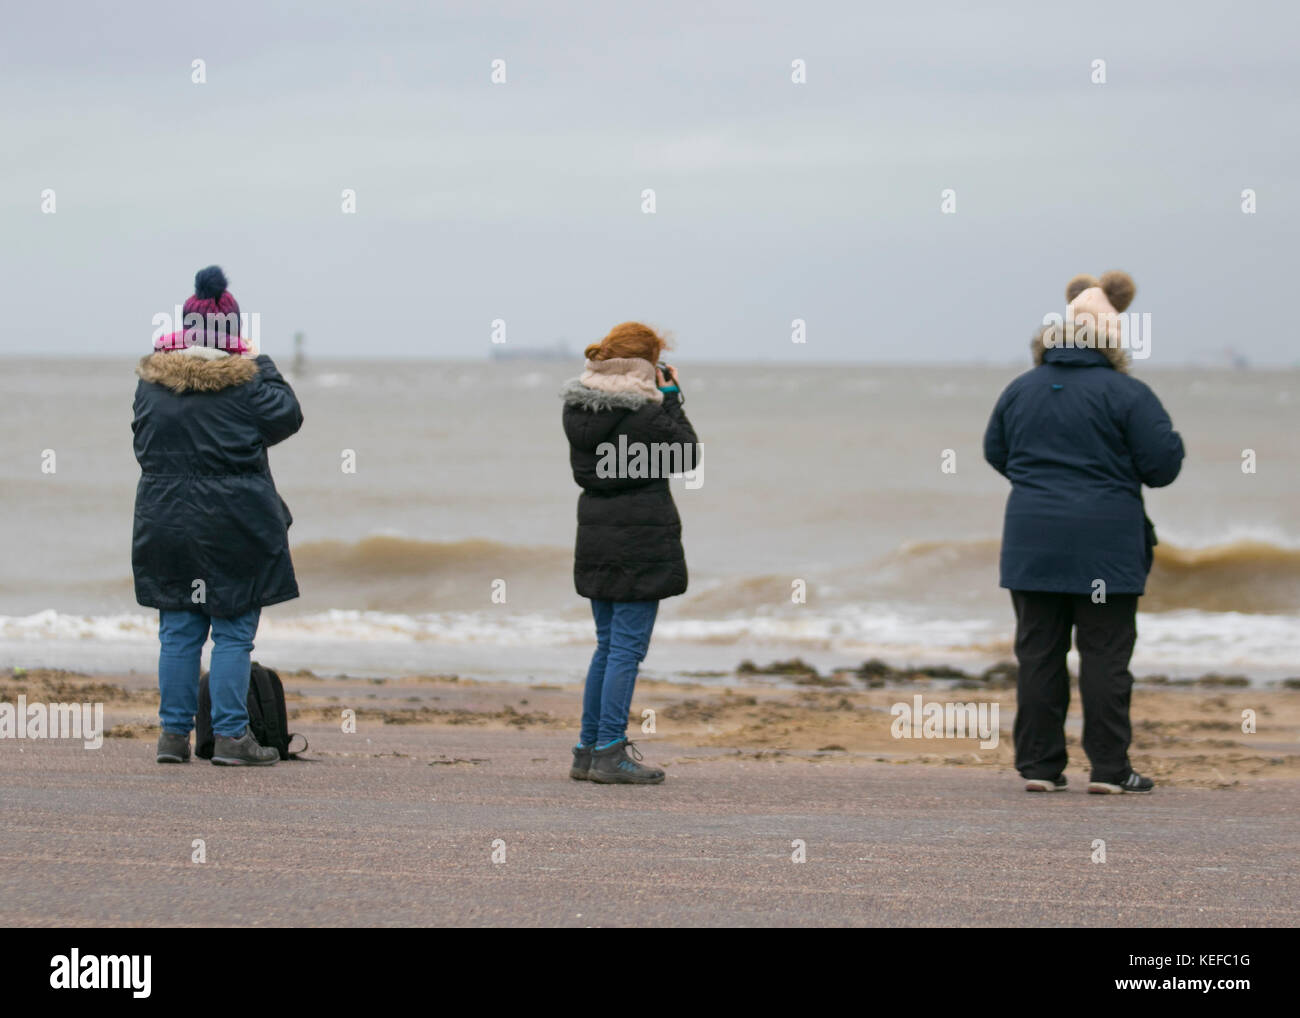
[623, 374]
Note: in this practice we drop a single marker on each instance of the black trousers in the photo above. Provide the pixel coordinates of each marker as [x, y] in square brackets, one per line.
[1105, 637]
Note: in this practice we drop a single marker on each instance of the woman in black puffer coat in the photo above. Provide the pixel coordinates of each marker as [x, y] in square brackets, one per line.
[627, 434]
[211, 546]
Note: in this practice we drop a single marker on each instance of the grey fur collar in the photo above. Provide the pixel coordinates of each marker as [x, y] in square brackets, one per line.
[576, 394]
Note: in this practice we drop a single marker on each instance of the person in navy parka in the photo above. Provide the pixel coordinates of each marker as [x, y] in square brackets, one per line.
[210, 546]
[1078, 437]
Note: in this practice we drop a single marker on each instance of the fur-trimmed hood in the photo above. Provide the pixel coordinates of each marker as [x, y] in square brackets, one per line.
[181, 372]
[576, 394]
[1116, 356]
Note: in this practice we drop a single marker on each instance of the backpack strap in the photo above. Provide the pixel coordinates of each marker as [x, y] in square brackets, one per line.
[204, 737]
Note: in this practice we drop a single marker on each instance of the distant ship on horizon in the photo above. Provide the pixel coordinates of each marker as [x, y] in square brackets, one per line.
[557, 351]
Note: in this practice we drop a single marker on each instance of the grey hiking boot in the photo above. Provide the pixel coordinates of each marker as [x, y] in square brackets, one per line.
[173, 748]
[581, 769]
[613, 766]
[243, 752]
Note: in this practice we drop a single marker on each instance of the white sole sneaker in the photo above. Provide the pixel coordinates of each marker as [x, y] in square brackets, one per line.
[1106, 788]
[1043, 785]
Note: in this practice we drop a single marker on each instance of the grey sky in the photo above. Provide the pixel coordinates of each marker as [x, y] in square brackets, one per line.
[775, 201]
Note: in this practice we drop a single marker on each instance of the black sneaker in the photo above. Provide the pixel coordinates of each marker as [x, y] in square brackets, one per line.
[1056, 784]
[613, 766]
[1135, 782]
[173, 748]
[581, 769]
[243, 752]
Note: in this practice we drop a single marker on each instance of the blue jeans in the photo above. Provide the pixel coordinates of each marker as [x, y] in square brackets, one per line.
[623, 631]
[182, 634]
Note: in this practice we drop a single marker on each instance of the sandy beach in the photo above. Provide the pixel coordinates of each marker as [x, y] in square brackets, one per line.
[398, 822]
[1189, 734]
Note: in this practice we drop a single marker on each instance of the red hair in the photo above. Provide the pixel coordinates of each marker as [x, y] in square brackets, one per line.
[630, 339]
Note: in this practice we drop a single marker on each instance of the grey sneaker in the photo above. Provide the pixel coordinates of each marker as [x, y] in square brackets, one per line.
[173, 748]
[243, 752]
[613, 766]
[581, 769]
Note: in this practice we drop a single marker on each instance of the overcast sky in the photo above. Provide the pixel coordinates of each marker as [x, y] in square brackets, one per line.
[522, 201]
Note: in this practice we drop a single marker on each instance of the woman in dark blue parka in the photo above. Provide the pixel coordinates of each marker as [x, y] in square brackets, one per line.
[1078, 437]
[211, 546]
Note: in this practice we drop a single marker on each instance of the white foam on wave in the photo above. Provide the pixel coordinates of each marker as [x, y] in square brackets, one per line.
[54, 625]
[335, 625]
[1206, 641]
[1237, 534]
[1182, 642]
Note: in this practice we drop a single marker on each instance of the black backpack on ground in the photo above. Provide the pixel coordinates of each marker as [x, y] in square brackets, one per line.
[267, 716]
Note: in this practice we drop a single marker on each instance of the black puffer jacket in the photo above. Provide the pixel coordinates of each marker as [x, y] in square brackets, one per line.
[629, 545]
[206, 507]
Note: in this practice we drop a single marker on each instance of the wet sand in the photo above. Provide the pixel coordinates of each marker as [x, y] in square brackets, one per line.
[1182, 735]
[396, 822]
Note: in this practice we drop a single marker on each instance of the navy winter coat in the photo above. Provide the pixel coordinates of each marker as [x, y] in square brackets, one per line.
[206, 508]
[1078, 439]
[629, 544]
